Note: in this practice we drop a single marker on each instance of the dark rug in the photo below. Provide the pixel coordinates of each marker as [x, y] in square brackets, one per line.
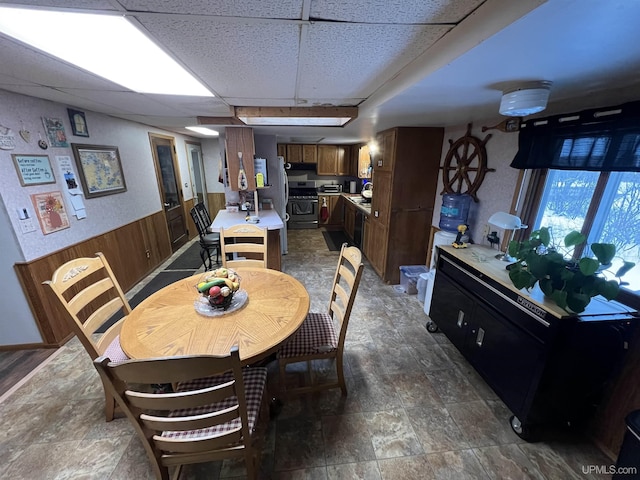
[334, 239]
[162, 279]
[189, 260]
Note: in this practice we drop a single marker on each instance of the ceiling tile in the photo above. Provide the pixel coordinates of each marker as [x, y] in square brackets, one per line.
[249, 60]
[393, 11]
[79, 4]
[349, 60]
[291, 9]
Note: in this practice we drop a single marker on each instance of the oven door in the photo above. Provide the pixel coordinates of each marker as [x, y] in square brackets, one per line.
[303, 212]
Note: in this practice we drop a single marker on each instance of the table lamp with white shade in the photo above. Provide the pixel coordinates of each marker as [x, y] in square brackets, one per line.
[506, 221]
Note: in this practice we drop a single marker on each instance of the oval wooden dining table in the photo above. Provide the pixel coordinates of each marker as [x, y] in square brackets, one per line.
[167, 323]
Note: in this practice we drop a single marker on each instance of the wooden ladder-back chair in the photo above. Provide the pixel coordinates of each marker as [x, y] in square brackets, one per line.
[209, 241]
[218, 409]
[318, 337]
[249, 240]
[90, 294]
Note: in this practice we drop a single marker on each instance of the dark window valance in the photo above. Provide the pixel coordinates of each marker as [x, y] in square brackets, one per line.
[604, 139]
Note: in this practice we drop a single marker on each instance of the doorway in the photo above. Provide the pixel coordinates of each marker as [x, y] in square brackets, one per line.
[196, 168]
[164, 156]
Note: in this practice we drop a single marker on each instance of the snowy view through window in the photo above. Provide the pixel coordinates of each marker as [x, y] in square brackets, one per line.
[567, 198]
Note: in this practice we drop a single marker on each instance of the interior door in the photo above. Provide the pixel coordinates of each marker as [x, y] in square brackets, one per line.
[196, 168]
[163, 149]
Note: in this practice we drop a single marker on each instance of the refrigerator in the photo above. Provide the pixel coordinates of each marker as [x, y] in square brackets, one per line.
[279, 192]
[277, 186]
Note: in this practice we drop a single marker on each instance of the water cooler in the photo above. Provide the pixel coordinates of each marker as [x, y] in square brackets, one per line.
[454, 211]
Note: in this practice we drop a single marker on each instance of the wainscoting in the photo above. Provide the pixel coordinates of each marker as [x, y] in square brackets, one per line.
[133, 251]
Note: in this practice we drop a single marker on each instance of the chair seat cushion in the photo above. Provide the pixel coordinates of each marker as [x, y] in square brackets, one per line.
[114, 351]
[210, 239]
[316, 335]
[255, 380]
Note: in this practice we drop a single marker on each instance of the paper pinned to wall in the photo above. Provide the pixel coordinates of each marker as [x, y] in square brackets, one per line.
[73, 191]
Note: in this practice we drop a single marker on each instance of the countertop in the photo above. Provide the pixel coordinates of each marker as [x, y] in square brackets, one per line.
[356, 199]
[269, 219]
[482, 259]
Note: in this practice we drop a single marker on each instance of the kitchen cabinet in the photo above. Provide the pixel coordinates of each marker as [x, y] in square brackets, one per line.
[294, 153]
[375, 235]
[405, 174]
[298, 153]
[384, 159]
[309, 154]
[335, 207]
[349, 218]
[363, 162]
[546, 365]
[334, 160]
[327, 159]
[240, 139]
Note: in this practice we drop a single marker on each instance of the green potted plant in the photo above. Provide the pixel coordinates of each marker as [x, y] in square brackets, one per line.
[569, 282]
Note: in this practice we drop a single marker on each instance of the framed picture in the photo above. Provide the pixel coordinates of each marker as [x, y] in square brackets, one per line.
[51, 212]
[99, 169]
[33, 169]
[55, 132]
[78, 123]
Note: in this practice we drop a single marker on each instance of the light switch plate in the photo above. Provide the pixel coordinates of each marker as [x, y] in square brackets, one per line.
[27, 225]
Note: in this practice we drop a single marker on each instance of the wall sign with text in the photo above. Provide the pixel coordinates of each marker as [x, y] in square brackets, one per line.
[33, 169]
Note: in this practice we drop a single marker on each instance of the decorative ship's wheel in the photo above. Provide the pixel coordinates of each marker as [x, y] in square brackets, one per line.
[465, 165]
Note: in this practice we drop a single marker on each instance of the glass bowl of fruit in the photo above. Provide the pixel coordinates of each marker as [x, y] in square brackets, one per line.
[219, 292]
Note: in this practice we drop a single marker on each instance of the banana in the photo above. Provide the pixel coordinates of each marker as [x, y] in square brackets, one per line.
[202, 288]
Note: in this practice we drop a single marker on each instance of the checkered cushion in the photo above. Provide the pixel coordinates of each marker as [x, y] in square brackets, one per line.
[255, 380]
[114, 351]
[316, 335]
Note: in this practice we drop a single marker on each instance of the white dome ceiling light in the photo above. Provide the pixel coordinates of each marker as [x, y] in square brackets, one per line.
[526, 99]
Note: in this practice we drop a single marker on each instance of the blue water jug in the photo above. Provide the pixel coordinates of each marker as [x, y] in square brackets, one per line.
[454, 211]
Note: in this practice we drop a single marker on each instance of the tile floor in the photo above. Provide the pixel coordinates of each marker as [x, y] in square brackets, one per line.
[415, 409]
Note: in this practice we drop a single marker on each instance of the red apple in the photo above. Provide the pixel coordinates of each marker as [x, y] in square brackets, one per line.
[214, 291]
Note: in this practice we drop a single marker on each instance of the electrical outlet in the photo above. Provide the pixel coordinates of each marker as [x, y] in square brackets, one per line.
[485, 230]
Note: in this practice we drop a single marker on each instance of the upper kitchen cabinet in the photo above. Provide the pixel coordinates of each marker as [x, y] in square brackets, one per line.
[384, 158]
[298, 153]
[405, 177]
[240, 139]
[363, 161]
[309, 154]
[294, 153]
[334, 160]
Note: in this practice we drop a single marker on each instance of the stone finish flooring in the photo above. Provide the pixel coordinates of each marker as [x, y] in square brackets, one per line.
[415, 408]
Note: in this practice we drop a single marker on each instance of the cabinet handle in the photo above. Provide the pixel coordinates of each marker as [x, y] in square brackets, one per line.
[460, 318]
[480, 337]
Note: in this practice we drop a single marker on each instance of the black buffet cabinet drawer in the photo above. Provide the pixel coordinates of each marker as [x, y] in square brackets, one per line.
[545, 369]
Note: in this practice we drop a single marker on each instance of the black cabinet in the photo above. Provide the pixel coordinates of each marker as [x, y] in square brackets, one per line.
[546, 366]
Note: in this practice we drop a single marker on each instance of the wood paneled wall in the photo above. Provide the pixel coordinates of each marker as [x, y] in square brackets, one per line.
[133, 251]
[217, 202]
[609, 426]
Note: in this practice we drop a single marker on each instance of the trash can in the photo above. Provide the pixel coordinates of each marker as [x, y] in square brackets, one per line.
[628, 464]
[422, 286]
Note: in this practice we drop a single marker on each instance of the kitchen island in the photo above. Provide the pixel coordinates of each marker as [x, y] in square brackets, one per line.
[269, 219]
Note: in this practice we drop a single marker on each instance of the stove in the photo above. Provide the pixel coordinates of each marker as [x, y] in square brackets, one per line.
[302, 206]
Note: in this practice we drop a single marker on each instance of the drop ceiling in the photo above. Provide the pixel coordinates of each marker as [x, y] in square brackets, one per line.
[402, 62]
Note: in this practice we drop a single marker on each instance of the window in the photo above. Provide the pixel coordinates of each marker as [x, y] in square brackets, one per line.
[605, 206]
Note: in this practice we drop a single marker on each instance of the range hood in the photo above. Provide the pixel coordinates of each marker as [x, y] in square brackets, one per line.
[301, 166]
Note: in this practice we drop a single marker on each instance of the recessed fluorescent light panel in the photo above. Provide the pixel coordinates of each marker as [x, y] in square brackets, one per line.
[296, 121]
[204, 131]
[296, 116]
[106, 45]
